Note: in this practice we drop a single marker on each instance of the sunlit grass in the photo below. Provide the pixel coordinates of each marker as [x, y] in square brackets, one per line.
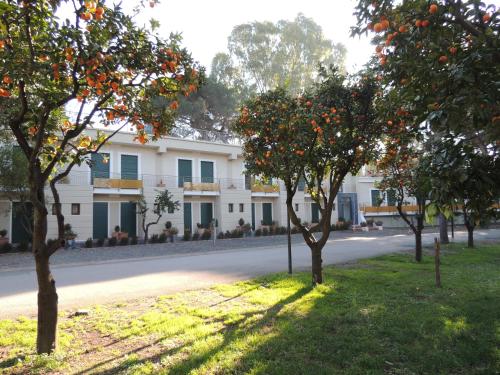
[383, 315]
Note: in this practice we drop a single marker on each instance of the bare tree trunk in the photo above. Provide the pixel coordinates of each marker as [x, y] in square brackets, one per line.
[437, 262]
[317, 269]
[470, 235]
[47, 296]
[443, 229]
[418, 245]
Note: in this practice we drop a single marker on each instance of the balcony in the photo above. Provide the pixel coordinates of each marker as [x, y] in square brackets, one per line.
[115, 183]
[387, 210]
[200, 186]
[260, 189]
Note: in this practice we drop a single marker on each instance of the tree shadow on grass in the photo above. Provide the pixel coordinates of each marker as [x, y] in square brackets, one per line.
[231, 332]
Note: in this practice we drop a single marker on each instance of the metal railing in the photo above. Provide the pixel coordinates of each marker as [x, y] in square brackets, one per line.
[116, 180]
[206, 135]
[199, 183]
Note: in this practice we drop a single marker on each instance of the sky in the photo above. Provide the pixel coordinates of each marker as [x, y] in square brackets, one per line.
[206, 25]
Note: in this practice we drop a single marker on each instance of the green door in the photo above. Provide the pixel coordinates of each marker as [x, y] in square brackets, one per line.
[376, 198]
[185, 171]
[206, 214]
[100, 165]
[253, 216]
[100, 220]
[129, 168]
[391, 197]
[128, 218]
[267, 213]
[187, 217]
[207, 171]
[22, 222]
[314, 213]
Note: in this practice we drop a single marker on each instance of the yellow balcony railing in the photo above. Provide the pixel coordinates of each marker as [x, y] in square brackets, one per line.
[201, 186]
[259, 188]
[117, 183]
[387, 209]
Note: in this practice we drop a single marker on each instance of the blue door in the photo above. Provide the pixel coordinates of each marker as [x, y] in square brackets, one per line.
[206, 214]
[267, 213]
[348, 206]
[314, 212]
[187, 217]
[100, 220]
[128, 218]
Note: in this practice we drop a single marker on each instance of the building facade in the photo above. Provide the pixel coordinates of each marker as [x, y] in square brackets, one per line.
[208, 180]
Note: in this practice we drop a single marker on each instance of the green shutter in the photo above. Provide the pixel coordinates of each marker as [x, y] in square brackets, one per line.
[375, 198]
[100, 220]
[185, 174]
[206, 214]
[129, 167]
[22, 222]
[99, 168]
[128, 218]
[314, 213]
[253, 216]
[187, 217]
[391, 197]
[267, 213]
[207, 171]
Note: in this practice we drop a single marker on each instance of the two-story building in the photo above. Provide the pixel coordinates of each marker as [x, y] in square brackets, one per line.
[207, 178]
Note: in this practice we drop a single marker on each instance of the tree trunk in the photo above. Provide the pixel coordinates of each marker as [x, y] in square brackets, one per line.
[470, 235]
[317, 270]
[443, 229]
[47, 307]
[47, 296]
[418, 245]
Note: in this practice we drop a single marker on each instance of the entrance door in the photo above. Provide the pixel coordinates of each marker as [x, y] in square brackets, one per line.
[187, 217]
[128, 218]
[253, 216]
[348, 206]
[314, 213]
[22, 222]
[206, 214]
[267, 213]
[100, 220]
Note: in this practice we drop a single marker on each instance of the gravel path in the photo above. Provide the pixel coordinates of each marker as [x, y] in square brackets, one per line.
[98, 254]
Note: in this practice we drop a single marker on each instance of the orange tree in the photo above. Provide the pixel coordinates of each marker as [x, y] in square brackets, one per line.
[98, 61]
[443, 57]
[319, 137]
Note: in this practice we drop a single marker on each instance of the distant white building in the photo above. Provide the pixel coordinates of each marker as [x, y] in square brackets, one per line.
[206, 177]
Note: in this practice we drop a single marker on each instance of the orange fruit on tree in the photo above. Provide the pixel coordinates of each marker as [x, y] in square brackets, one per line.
[433, 9]
[418, 23]
[453, 50]
[378, 27]
[385, 24]
[443, 59]
[403, 29]
[7, 80]
[425, 23]
[486, 18]
[379, 48]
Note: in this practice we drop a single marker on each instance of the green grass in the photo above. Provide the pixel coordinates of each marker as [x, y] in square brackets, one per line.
[379, 316]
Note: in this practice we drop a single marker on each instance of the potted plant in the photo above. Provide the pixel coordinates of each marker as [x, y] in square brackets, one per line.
[364, 226]
[379, 224]
[116, 233]
[370, 222]
[3, 237]
[241, 222]
[200, 229]
[69, 236]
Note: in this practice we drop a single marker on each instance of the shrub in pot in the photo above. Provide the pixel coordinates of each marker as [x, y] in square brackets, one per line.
[3, 237]
[186, 236]
[162, 238]
[112, 241]
[100, 242]
[168, 225]
[206, 235]
[124, 241]
[5, 248]
[265, 231]
[196, 236]
[258, 232]
[370, 222]
[89, 243]
[154, 238]
[241, 222]
[220, 236]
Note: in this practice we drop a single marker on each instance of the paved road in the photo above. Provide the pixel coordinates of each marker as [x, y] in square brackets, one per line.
[118, 280]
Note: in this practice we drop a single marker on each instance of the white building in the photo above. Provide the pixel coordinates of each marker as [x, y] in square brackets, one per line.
[206, 177]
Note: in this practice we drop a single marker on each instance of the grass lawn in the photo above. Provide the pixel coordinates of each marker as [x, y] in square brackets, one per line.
[378, 316]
